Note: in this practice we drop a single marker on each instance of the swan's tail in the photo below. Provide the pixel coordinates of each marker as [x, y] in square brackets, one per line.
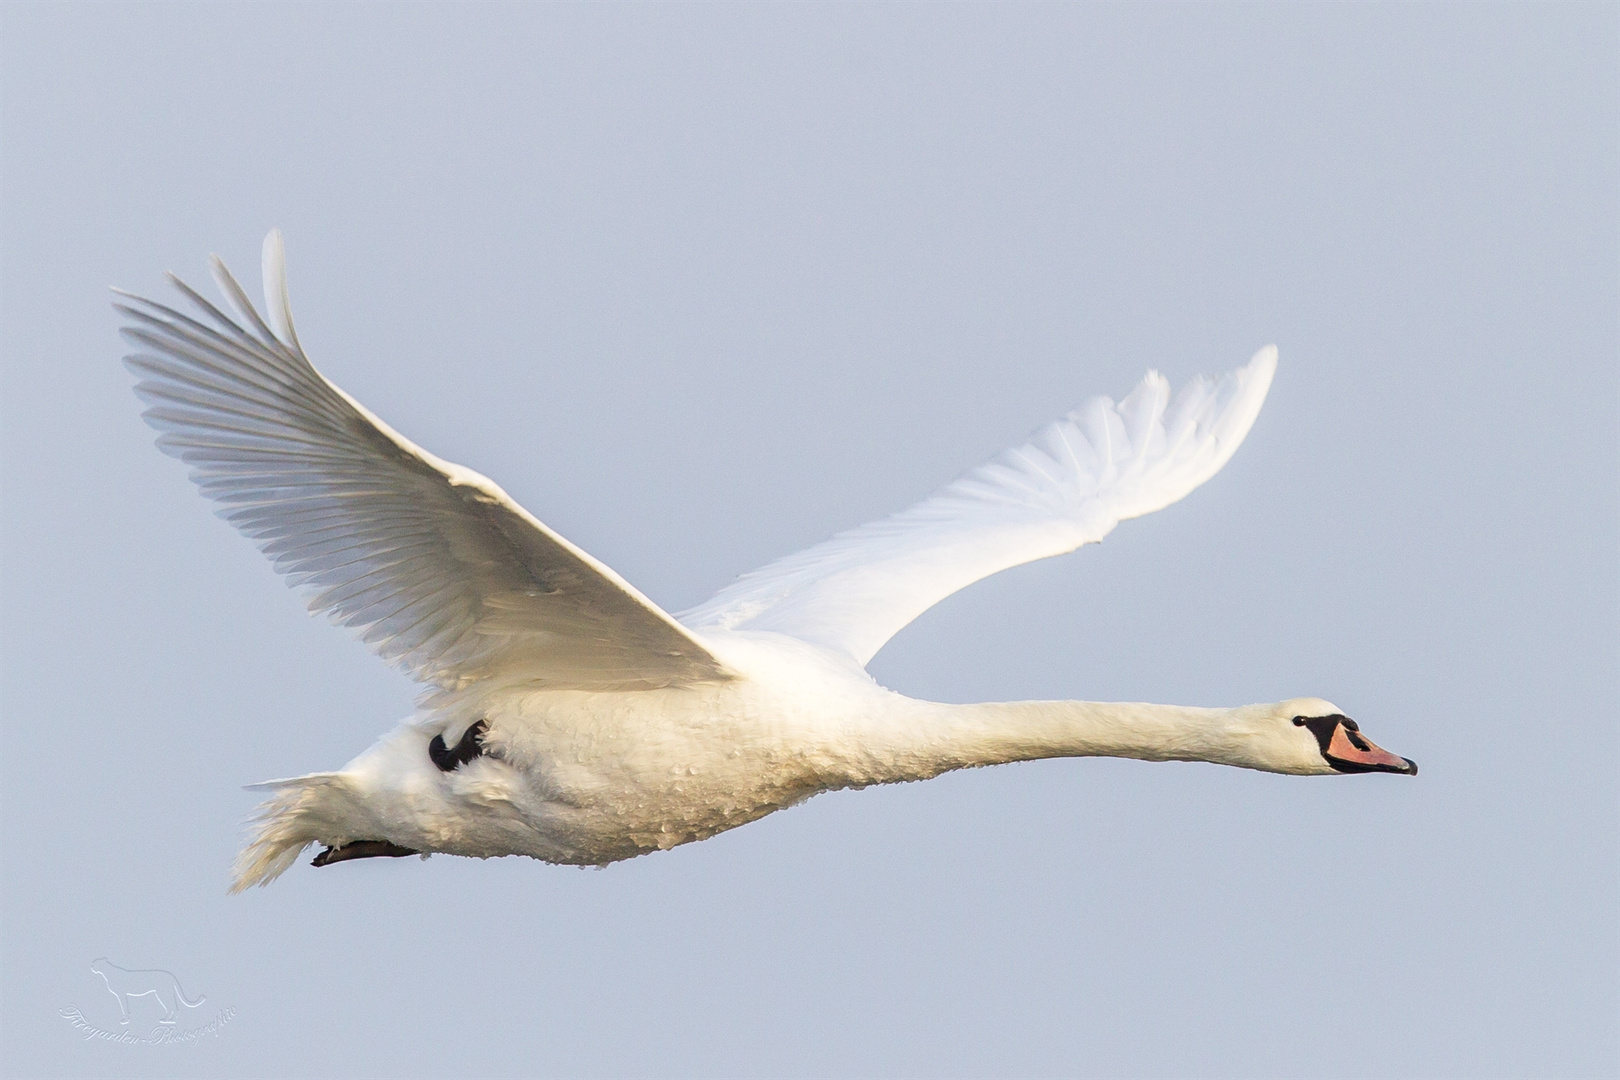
[303, 810]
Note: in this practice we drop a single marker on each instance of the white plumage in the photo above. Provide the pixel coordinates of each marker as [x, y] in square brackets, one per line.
[1069, 485]
[570, 718]
[435, 567]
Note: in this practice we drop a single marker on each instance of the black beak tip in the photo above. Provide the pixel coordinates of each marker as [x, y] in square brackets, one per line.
[1411, 766]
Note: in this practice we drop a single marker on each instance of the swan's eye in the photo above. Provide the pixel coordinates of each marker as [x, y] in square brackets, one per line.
[1299, 721]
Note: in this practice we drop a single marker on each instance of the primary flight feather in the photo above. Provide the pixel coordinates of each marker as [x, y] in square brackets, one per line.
[569, 717]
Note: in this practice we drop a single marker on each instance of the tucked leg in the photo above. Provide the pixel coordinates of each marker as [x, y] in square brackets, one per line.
[361, 849]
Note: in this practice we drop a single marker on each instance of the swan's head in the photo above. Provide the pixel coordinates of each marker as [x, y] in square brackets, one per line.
[1310, 735]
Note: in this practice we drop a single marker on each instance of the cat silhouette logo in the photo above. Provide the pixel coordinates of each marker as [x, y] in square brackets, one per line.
[160, 985]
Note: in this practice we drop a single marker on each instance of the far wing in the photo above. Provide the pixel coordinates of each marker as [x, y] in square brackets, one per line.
[1069, 485]
[434, 566]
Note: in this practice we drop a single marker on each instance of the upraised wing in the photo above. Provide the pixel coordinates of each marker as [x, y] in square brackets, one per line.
[436, 568]
[1069, 485]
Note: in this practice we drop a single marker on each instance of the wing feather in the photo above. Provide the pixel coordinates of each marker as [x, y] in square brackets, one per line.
[1069, 485]
[431, 564]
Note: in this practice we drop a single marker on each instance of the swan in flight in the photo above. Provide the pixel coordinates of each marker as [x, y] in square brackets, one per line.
[566, 716]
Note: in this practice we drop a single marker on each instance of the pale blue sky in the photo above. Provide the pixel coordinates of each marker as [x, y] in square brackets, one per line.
[702, 285]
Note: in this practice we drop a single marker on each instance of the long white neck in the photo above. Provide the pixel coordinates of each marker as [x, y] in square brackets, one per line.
[936, 738]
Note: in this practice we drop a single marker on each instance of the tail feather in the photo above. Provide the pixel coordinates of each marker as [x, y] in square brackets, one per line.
[303, 810]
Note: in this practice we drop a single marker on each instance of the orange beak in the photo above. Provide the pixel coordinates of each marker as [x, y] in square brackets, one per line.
[1350, 751]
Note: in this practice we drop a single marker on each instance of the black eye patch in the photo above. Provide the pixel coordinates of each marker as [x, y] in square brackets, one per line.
[1324, 726]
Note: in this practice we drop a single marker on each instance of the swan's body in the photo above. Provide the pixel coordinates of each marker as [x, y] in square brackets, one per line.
[568, 717]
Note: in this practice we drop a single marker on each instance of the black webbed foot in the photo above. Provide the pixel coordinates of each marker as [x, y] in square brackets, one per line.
[470, 746]
[361, 849]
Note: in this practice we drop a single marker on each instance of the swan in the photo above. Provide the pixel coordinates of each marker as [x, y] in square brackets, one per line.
[567, 717]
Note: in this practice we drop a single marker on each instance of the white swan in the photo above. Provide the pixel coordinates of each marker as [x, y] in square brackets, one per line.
[567, 717]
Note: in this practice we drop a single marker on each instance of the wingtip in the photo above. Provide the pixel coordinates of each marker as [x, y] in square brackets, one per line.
[273, 269]
[272, 261]
[1265, 360]
[1254, 378]
[168, 274]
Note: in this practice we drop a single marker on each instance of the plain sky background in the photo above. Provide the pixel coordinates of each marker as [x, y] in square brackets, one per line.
[702, 285]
